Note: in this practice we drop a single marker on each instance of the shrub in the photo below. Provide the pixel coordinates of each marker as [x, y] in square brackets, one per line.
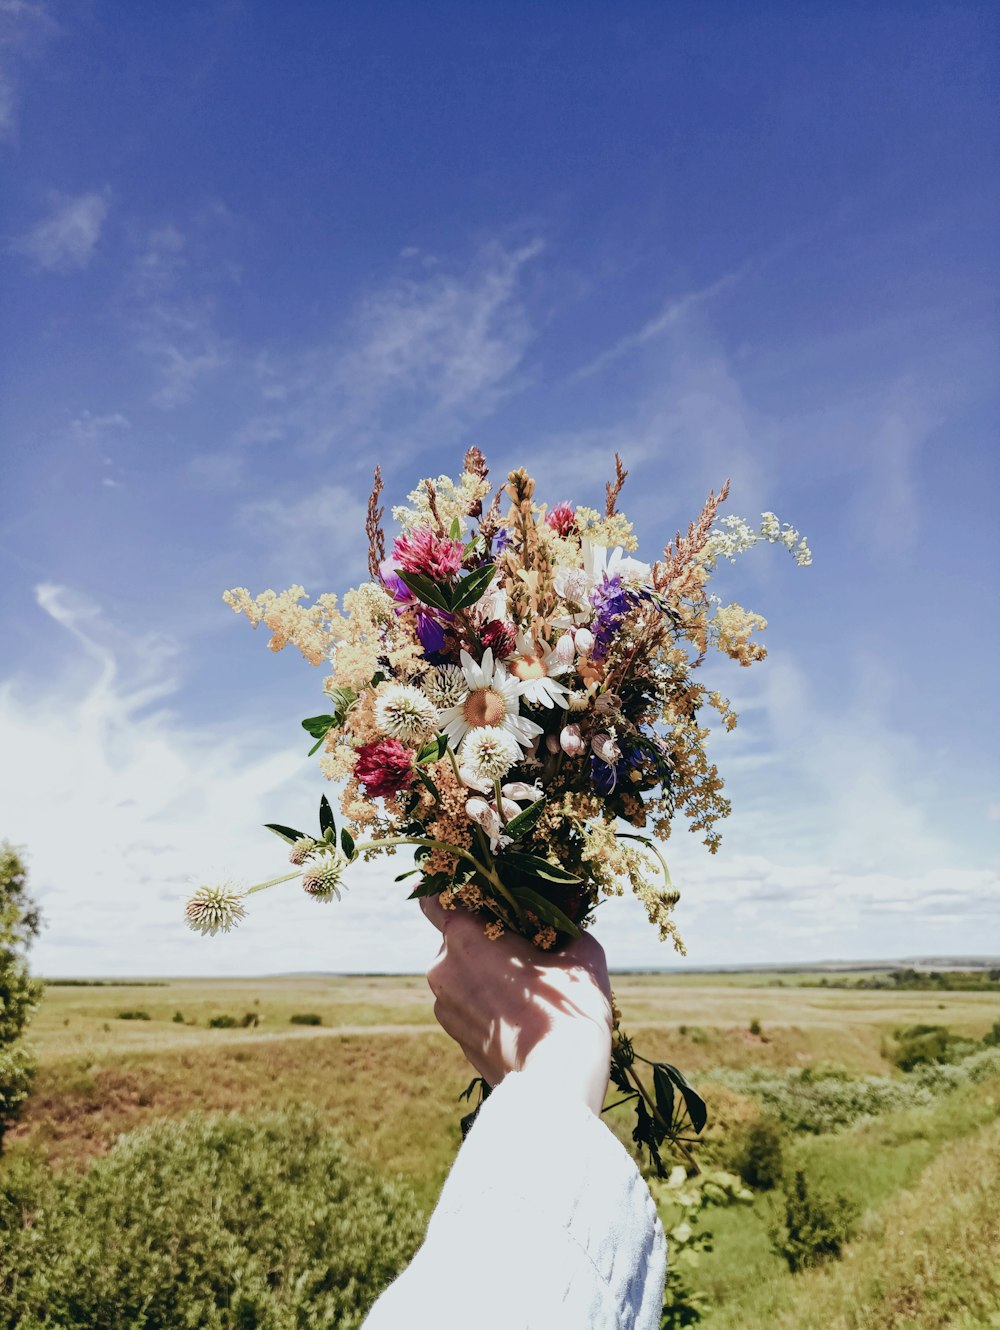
[225, 1223]
[250, 1020]
[818, 1223]
[921, 1044]
[133, 1016]
[178, 1018]
[810, 1101]
[755, 1026]
[756, 1154]
[992, 1038]
[306, 1018]
[223, 1023]
[19, 993]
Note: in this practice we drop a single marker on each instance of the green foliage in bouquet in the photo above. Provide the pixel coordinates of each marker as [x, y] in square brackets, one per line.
[514, 695]
[224, 1223]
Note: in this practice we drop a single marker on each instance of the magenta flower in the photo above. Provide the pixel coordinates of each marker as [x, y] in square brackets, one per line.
[562, 518]
[384, 768]
[421, 551]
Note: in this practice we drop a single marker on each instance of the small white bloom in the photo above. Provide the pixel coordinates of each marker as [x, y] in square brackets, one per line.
[321, 880]
[565, 650]
[489, 752]
[212, 910]
[583, 640]
[519, 789]
[486, 816]
[578, 700]
[403, 712]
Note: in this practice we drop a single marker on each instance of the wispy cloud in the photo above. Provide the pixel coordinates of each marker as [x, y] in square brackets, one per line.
[173, 313]
[414, 360]
[313, 537]
[674, 312]
[25, 27]
[65, 240]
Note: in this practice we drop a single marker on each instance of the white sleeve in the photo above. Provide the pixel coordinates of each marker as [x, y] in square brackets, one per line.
[544, 1223]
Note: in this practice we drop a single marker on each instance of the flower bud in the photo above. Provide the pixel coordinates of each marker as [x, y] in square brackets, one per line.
[583, 640]
[571, 741]
[301, 850]
[565, 649]
[321, 880]
[605, 748]
[552, 743]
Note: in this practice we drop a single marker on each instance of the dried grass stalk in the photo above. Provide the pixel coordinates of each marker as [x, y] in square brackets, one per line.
[373, 527]
[684, 548]
[614, 487]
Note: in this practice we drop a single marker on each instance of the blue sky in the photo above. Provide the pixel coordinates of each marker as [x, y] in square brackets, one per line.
[247, 250]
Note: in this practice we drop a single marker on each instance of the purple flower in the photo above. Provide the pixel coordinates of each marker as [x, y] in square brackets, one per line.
[430, 623]
[612, 603]
[430, 631]
[501, 540]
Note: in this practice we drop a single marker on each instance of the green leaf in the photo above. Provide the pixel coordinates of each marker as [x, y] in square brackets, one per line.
[456, 529]
[347, 843]
[521, 823]
[409, 873]
[378, 677]
[286, 833]
[423, 777]
[664, 1088]
[693, 1102]
[431, 593]
[546, 911]
[433, 750]
[319, 726]
[473, 587]
[536, 867]
[326, 822]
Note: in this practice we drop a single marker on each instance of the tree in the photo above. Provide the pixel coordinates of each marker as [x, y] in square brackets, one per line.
[19, 993]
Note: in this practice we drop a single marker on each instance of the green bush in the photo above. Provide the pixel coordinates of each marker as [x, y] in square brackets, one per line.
[756, 1154]
[133, 1016]
[178, 1018]
[306, 1018]
[755, 1026]
[992, 1038]
[803, 1100]
[919, 1045]
[222, 1223]
[223, 1023]
[818, 1223]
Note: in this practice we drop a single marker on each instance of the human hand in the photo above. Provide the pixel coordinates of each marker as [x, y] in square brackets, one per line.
[512, 1007]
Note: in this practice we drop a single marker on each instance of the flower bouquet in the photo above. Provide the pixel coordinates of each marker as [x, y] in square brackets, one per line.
[513, 694]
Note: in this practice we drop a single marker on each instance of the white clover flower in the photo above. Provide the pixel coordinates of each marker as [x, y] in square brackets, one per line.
[302, 849]
[212, 910]
[446, 686]
[403, 712]
[321, 880]
[489, 752]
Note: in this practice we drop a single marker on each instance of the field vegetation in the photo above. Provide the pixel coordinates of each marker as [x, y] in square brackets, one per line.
[840, 1190]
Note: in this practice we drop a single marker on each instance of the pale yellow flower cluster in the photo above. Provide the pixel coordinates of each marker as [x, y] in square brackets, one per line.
[607, 531]
[451, 500]
[731, 627]
[314, 629]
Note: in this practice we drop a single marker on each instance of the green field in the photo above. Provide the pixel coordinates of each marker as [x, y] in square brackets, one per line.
[925, 1180]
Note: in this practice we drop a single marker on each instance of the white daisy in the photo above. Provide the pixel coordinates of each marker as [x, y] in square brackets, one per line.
[445, 686]
[574, 585]
[403, 712]
[535, 667]
[490, 752]
[492, 699]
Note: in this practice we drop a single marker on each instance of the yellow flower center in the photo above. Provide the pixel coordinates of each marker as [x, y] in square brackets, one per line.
[528, 667]
[484, 707]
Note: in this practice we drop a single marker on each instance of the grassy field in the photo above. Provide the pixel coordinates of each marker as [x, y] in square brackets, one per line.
[926, 1182]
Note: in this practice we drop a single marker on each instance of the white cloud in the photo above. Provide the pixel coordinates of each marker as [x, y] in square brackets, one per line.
[119, 805]
[66, 239]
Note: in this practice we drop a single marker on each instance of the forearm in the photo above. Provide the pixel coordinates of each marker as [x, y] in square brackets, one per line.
[544, 1222]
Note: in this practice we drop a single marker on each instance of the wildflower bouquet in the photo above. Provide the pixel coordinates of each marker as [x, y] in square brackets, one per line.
[513, 694]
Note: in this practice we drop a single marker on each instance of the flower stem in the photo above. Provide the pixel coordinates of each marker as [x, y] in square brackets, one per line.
[273, 882]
